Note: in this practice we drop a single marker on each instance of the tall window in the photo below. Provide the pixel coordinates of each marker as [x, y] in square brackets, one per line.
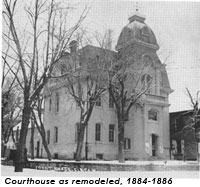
[50, 103]
[153, 115]
[111, 102]
[77, 129]
[63, 69]
[126, 117]
[55, 134]
[17, 134]
[145, 34]
[127, 143]
[146, 82]
[111, 132]
[145, 31]
[57, 102]
[98, 102]
[98, 132]
[48, 137]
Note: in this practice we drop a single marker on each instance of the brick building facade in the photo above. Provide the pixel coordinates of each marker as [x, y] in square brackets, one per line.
[182, 136]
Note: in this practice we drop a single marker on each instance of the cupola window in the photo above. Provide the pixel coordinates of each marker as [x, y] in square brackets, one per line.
[145, 31]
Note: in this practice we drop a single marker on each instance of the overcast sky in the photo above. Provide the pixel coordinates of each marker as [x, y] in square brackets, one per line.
[177, 29]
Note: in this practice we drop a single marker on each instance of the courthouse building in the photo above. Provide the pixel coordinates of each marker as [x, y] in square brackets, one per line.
[147, 126]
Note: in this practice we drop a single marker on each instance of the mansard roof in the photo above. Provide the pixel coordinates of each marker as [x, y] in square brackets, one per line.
[137, 31]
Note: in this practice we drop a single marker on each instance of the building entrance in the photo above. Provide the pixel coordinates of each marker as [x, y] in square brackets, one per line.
[154, 144]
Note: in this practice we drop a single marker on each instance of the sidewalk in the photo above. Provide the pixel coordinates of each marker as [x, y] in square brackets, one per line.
[9, 171]
[140, 162]
[94, 165]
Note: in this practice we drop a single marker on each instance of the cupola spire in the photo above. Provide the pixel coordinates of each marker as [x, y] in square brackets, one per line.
[136, 7]
[136, 15]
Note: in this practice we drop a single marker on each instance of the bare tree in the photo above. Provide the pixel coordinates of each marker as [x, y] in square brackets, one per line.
[128, 79]
[32, 147]
[11, 101]
[195, 118]
[83, 75]
[86, 86]
[128, 82]
[36, 51]
[11, 110]
[37, 114]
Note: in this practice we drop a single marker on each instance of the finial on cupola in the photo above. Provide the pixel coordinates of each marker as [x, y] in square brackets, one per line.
[136, 7]
[136, 15]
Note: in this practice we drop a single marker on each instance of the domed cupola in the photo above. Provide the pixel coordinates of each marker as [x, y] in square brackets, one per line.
[137, 31]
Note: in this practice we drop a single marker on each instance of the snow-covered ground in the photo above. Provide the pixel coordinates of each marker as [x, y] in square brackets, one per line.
[9, 171]
[143, 162]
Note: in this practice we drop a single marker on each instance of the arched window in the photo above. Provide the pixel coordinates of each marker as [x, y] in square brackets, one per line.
[146, 78]
[145, 34]
[145, 31]
[153, 115]
[147, 60]
[146, 81]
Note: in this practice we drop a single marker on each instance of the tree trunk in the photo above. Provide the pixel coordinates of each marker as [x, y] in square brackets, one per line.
[32, 139]
[20, 154]
[121, 141]
[4, 140]
[2, 137]
[41, 130]
[3, 149]
[80, 142]
[45, 145]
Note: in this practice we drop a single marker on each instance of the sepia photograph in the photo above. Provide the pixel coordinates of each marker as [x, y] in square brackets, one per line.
[107, 91]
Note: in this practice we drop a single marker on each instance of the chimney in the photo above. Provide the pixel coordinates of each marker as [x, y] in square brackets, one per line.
[73, 46]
